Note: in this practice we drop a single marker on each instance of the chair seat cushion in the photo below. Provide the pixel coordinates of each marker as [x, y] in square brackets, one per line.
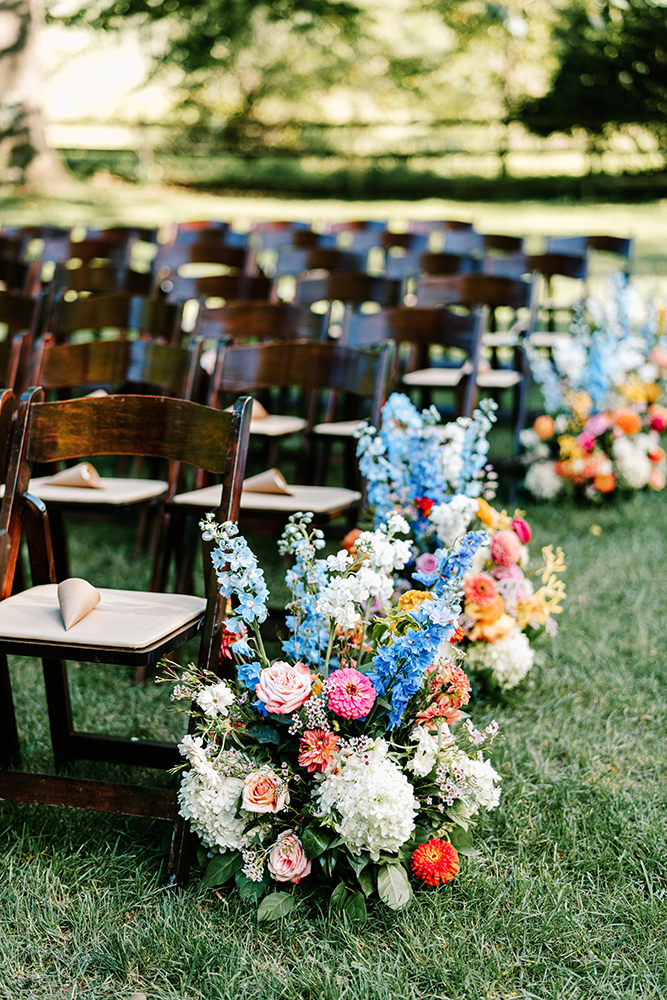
[547, 338]
[124, 619]
[318, 499]
[112, 491]
[498, 378]
[337, 428]
[500, 338]
[276, 425]
[445, 377]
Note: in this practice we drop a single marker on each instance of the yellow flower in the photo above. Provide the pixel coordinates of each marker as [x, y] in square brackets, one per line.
[412, 599]
[485, 513]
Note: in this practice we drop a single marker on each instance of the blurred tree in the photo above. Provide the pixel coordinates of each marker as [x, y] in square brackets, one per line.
[613, 69]
[24, 155]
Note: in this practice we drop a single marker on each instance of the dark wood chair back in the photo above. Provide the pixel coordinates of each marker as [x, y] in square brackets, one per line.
[241, 321]
[14, 364]
[292, 261]
[473, 290]
[20, 276]
[103, 278]
[444, 263]
[230, 287]
[166, 369]
[565, 265]
[423, 329]
[148, 317]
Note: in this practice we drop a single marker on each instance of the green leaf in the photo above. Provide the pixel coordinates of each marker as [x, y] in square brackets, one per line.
[460, 837]
[358, 862]
[250, 891]
[275, 906]
[366, 880]
[338, 896]
[393, 886]
[264, 734]
[220, 869]
[315, 841]
[202, 856]
[354, 907]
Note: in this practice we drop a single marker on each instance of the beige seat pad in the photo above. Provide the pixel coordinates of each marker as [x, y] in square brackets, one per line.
[447, 377]
[498, 378]
[500, 338]
[547, 338]
[124, 619]
[112, 491]
[318, 499]
[337, 428]
[277, 426]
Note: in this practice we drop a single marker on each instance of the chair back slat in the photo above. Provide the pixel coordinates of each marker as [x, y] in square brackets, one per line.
[154, 426]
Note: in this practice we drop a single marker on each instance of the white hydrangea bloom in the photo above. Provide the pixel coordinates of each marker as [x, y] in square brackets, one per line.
[372, 801]
[211, 803]
[509, 658]
[196, 754]
[632, 462]
[543, 481]
[451, 519]
[215, 699]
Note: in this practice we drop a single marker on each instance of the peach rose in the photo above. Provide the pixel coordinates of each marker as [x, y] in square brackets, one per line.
[605, 484]
[287, 861]
[284, 688]
[264, 792]
[490, 631]
[656, 480]
[544, 427]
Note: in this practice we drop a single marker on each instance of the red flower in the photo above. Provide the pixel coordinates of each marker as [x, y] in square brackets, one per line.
[424, 504]
[317, 749]
[458, 634]
[435, 861]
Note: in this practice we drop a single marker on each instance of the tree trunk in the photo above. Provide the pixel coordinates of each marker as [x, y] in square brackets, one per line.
[25, 157]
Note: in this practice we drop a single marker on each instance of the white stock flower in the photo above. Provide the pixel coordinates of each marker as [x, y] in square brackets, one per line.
[340, 562]
[570, 358]
[194, 751]
[509, 658]
[215, 699]
[631, 459]
[451, 519]
[371, 801]
[483, 778]
[426, 754]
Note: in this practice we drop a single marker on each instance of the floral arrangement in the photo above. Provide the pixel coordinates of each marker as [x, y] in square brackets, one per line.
[502, 609]
[350, 758]
[602, 389]
[417, 466]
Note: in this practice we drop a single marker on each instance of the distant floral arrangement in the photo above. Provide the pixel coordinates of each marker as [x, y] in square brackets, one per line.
[602, 390]
[349, 759]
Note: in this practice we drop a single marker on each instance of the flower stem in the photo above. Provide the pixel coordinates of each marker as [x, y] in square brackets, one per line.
[332, 633]
[260, 645]
[363, 631]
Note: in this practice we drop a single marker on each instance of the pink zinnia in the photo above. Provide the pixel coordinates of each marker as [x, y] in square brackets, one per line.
[512, 572]
[317, 749]
[351, 694]
[505, 548]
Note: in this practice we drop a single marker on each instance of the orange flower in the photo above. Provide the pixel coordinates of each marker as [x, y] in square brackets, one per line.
[656, 480]
[435, 861]
[484, 512]
[605, 484]
[349, 542]
[627, 421]
[481, 590]
[490, 612]
[492, 631]
[656, 454]
[544, 427]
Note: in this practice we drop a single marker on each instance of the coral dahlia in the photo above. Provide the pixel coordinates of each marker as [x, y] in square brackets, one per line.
[435, 861]
[317, 748]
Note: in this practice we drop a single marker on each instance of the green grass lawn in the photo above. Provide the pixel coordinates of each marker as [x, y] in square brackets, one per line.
[566, 900]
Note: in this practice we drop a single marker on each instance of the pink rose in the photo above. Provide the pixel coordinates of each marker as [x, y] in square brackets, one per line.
[597, 424]
[287, 861]
[264, 792]
[505, 548]
[522, 530]
[512, 572]
[284, 688]
[426, 563]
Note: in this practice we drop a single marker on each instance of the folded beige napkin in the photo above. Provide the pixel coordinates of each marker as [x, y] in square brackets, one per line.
[76, 598]
[271, 481]
[82, 474]
[258, 411]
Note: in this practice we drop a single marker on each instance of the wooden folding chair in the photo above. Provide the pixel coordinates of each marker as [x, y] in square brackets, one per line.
[122, 315]
[422, 330]
[127, 627]
[161, 369]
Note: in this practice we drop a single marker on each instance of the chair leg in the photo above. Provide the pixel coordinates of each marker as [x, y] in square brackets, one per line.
[60, 710]
[180, 855]
[10, 755]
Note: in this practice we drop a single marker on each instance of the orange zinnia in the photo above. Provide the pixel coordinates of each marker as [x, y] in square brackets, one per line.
[435, 861]
[627, 421]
